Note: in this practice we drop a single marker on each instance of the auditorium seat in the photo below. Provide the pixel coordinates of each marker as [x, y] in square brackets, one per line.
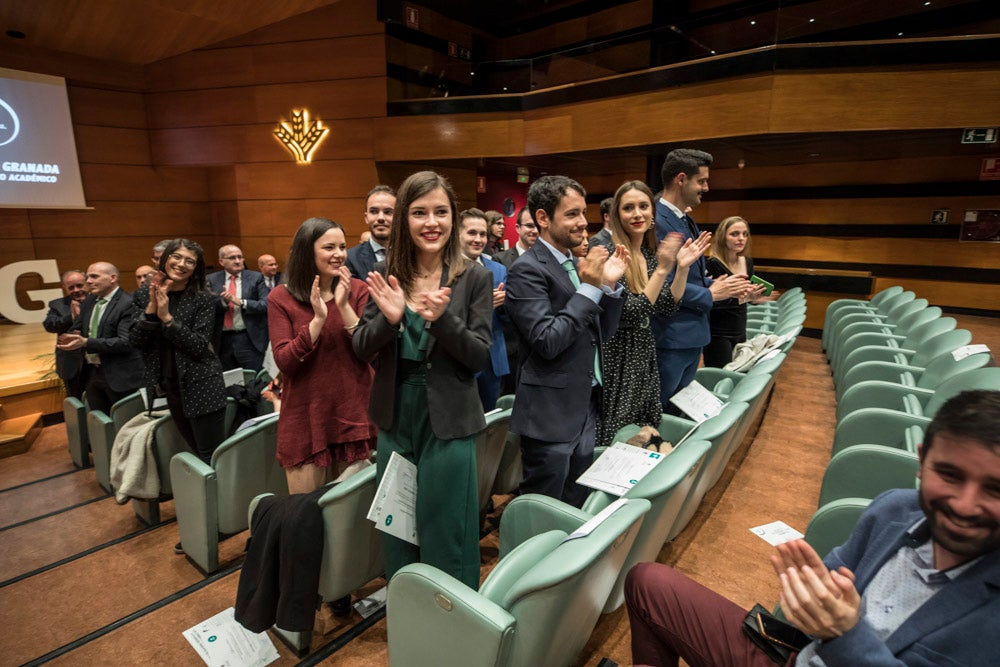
[75, 416]
[490, 446]
[833, 523]
[538, 606]
[889, 347]
[880, 304]
[213, 499]
[102, 429]
[865, 471]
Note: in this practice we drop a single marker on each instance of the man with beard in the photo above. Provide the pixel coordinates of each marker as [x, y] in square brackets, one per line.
[379, 207]
[917, 583]
[59, 320]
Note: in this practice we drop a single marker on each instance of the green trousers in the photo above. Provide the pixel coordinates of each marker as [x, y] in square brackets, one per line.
[447, 490]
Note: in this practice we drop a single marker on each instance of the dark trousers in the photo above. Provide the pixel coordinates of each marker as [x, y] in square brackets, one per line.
[238, 351]
[75, 386]
[203, 433]
[673, 617]
[719, 350]
[552, 468]
[677, 369]
[99, 395]
[489, 387]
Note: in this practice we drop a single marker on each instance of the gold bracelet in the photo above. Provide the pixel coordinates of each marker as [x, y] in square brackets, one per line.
[353, 326]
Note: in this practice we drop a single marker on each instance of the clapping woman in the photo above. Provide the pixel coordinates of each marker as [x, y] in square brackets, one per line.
[631, 376]
[323, 427]
[426, 330]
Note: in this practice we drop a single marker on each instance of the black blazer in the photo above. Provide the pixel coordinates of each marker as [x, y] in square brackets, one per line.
[59, 320]
[361, 260]
[121, 362]
[562, 330]
[254, 310]
[459, 347]
[198, 367]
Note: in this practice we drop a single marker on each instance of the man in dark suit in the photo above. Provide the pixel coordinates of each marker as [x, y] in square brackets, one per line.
[681, 336]
[268, 266]
[112, 368]
[472, 232]
[59, 320]
[564, 308]
[240, 313]
[527, 234]
[379, 207]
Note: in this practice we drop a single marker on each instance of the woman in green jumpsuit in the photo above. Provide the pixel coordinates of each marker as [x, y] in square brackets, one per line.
[426, 331]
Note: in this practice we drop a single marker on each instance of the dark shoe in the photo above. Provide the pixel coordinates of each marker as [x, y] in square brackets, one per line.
[341, 607]
[179, 549]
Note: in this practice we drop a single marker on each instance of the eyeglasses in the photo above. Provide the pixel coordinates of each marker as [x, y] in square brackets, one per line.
[529, 225]
[233, 257]
[186, 261]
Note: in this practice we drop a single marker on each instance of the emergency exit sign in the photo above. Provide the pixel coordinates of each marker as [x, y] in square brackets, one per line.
[979, 135]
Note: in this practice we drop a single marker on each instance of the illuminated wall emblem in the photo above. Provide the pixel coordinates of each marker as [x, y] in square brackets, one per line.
[301, 136]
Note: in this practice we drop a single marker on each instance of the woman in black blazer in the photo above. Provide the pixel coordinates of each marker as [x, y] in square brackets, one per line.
[426, 330]
[173, 329]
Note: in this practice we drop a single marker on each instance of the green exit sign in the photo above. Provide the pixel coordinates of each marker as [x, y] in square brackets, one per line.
[979, 135]
[522, 178]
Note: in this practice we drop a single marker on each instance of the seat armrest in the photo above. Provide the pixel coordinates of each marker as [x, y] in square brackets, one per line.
[101, 434]
[196, 503]
[437, 620]
[875, 426]
[878, 394]
[533, 514]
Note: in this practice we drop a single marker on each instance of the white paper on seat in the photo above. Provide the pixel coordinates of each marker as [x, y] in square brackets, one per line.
[619, 468]
[222, 642]
[158, 403]
[394, 509]
[234, 376]
[770, 355]
[597, 520]
[968, 350]
[776, 532]
[371, 604]
[697, 402]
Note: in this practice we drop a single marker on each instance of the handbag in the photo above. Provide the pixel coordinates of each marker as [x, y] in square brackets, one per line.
[779, 650]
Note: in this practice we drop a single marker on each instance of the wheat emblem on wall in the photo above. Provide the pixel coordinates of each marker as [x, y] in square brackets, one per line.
[300, 135]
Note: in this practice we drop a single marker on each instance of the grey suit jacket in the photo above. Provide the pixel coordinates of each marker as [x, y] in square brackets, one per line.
[957, 626]
[121, 362]
[459, 347]
[59, 320]
[562, 330]
[254, 298]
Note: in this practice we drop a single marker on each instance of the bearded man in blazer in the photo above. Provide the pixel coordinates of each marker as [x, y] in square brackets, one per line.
[564, 308]
[112, 368]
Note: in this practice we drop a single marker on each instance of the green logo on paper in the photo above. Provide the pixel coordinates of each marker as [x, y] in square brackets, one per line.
[654, 455]
[388, 520]
[212, 638]
[633, 481]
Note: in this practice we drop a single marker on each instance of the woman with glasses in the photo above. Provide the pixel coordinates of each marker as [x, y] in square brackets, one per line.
[324, 426]
[174, 321]
[426, 330]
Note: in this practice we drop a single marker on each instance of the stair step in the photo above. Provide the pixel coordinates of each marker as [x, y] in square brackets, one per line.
[18, 433]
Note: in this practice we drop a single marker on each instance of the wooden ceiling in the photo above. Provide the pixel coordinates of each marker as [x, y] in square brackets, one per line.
[138, 32]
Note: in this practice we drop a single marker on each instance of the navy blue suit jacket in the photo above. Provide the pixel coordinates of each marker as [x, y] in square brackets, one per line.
[562, 330]
[59, 320]
[254, 297]
[498, 349]
[361, 260]
[952, 628]
[121, 362]
[688, 327]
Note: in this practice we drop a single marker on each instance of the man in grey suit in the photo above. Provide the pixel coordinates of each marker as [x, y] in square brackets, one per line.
[240, 312]
[564, 308]
[268, 266]
[112, 368]
[59, 320]
[380, 204]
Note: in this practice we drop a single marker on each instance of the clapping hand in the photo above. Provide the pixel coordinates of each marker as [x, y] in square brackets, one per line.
[818, 601]
[431, 305]
[615, 267]
[388, 296]
[316, 299]
[667, 249]
[693, 249]
[343, 289]
[499, 295]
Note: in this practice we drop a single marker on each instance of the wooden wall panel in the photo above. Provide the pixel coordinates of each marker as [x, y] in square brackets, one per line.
[16, 250]
[883, 211]
[109, 108]
[114, 218]
[980, 296]
[955, 168]
[414, 138]
[915, 252]
[282, 218]
[235, 144]
[112, 145]
[14, 223]
[329, 178]
[343, 18]
[102, 182]
[327, 100]
[72, 67]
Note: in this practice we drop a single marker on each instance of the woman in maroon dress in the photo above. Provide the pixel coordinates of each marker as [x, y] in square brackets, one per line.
[324, 424]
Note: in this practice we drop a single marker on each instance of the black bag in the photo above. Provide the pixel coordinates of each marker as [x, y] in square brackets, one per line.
[777, 650]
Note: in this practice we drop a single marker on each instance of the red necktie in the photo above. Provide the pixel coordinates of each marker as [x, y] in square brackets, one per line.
[227, 320]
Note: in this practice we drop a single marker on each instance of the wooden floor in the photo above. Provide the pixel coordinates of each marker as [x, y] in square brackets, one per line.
[83, 582]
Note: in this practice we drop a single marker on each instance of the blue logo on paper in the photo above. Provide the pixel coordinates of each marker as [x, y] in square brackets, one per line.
[654, 455]
[388, 520]
[633, 481]
[212, 638]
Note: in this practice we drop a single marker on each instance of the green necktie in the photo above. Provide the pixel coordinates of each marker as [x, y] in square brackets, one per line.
[95, 321]
[575, 279]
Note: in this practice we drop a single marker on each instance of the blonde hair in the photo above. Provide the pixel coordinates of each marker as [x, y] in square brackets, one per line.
[718, 247]
[635, 276]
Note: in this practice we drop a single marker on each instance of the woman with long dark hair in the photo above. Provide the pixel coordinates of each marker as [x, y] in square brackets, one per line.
[174, 322]
[323, 426]
[426, 330]
[631, 376]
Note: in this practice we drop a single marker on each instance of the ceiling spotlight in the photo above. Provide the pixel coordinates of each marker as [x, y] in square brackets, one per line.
[741, 163]
[812, 20]
[505, 89]
[713, 52]
[899, 34]
[753, 23]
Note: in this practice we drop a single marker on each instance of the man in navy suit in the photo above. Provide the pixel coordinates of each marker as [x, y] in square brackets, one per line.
[112, 368]
[916, 583]
[472, 233]
[59, 320]
[564, 308]
[380, 204]
[240, 313]
[681, 336]
[268, 266]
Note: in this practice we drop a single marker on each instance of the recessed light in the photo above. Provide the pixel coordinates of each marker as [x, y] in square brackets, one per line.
[713, 53]
[15, 34]
[505, 89]
[812, 20]
[814, 155]
[753, 23]
[899, 34]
